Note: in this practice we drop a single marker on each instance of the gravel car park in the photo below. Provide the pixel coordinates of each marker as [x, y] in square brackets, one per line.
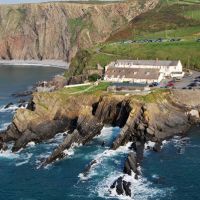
[190, 81]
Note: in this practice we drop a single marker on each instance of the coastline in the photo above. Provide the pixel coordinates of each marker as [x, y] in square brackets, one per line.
[42, 63]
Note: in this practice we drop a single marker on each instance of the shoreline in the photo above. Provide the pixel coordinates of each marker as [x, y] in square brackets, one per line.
[40, 63]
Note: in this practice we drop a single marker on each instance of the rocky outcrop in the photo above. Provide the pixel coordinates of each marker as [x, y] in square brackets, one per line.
[87, 127]
[115, 113]
[50, 113]
[131, 164]
[84, 115]
[122, 187]
[56, 30]
[154, 122]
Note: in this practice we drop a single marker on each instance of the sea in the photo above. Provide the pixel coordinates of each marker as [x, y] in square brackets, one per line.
[172, 174]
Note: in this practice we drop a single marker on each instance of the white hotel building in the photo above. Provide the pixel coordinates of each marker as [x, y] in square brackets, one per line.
[142, 71]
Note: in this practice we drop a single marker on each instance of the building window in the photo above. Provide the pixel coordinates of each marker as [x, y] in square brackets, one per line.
[147, 73]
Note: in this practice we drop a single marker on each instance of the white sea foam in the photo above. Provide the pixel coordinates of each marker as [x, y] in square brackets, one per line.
[12, 108]
[106, 132]
[180, 143]
[70, 151]
[99, 158]
[24, 159]
[4, 126]
[141, 189]
[155, 176]
[30, 144]
[149, 144]
[164, 142]
[21, 163]
[8, 154]
[58, 138]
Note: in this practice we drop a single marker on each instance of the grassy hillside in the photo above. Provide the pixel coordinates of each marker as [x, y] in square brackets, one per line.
[169, 15]
[171, 19]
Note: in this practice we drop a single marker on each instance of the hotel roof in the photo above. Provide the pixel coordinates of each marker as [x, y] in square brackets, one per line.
[135, 73]
[148, 62]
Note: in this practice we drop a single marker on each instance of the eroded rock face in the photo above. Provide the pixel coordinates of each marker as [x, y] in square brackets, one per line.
[131, 164]
[84, 116]
[153, 121]
[115, 113]
[57, 30]
[51, 113]
[87, 128]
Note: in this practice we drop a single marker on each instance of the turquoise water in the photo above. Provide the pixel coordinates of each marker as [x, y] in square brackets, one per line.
[171, 174]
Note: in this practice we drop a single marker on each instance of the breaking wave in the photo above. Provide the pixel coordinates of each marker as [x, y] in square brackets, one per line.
[99, 158]
[4, 126]
[141, 189]
[12, 108]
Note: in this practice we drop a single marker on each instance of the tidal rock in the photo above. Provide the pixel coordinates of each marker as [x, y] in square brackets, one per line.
[157, 146]
[27, 137]
[8, 105]
[121, 186]
[88, 167]
[87, 128]
[131, 164]
[3, 146]
[22, 105]
[31, 105]
[11, 134]
[139, 150]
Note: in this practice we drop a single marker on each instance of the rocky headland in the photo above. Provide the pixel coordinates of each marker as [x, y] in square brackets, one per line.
[154, 117]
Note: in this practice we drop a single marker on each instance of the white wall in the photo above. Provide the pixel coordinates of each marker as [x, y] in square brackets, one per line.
[164, 71]
[132, 80]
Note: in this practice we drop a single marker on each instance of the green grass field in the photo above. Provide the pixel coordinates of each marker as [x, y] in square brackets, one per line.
[85, 89]
[187, 52]
[194, 14]
[170, 19]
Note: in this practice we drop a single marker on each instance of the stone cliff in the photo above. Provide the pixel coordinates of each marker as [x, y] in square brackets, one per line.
[154, 117]
[58, 30]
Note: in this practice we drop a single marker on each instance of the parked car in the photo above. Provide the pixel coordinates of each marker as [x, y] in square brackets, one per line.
[154, 84]
[192, 85]
[170, 84]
